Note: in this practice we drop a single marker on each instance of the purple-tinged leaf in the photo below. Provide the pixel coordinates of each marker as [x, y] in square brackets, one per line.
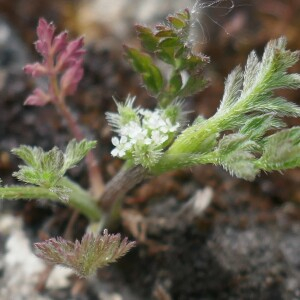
[71, 78]
[73, 52]
[37, 98]
[87, 256]
[35, 69]
[60, 42]
[45, 33]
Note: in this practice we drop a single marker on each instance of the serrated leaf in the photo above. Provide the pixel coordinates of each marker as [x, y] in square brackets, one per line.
[281, 150]
[52, 161]
[233, 142]
[279, 107]
[256, 127]
[87, 256]
[232, 90]
[46, 169]
[76, 151]
[31, 156]
[253, 97]
[242, 165]
[234, 153]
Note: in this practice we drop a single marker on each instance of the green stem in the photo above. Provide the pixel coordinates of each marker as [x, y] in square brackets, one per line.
[171, 162]
[78, 198]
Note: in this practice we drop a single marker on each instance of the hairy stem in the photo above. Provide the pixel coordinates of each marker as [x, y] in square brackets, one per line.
[78, 198]
[120, 184]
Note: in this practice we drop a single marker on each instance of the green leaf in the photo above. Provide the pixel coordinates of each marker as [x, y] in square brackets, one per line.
[177, 22]
[279, 107]
[170, 42]
[193, 85]
[166, 55]
[256, 127]
[235, 154]
[76, 151]
[175, 83]
[164, 33]
[246, 95]
[46, 169]
[281, 150]
[148, 39]
[232, 90]
[31, 156]
[143, 64]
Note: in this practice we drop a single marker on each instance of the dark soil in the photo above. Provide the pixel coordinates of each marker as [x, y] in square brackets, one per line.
[246, 243]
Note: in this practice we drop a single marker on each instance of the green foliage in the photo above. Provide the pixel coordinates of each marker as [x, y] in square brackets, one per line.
[46, 169]
[76, 151]
[169, 43]
[87, 256]
[248, 113]
[143, 64]
[281, 150]
[245, 136]
[235, 154]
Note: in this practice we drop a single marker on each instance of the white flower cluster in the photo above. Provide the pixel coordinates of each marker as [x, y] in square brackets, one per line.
[144, 139]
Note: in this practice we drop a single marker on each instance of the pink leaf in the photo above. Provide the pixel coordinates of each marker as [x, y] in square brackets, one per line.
[35, 69]
[37, 98]
[71, 54]
[45, 33]
[60, 42]
[71, 78]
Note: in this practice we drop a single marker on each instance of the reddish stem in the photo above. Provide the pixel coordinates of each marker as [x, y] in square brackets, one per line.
[95, 176]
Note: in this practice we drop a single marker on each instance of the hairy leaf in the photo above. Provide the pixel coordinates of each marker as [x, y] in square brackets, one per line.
[86, 256]
[248, 94]
[46, 169]
[76, 151]
[235, 154]
[281, 150]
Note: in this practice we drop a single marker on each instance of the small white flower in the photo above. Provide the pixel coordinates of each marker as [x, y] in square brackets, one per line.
[122, 145]
[158, 138]
[144, 139]
[171, 127]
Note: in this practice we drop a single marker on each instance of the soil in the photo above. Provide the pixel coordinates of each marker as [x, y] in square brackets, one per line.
[242, 243]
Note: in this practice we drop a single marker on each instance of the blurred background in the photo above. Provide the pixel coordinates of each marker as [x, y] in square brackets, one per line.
[246, 244]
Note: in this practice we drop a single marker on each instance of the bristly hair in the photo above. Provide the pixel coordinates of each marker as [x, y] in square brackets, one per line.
[198, 32]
